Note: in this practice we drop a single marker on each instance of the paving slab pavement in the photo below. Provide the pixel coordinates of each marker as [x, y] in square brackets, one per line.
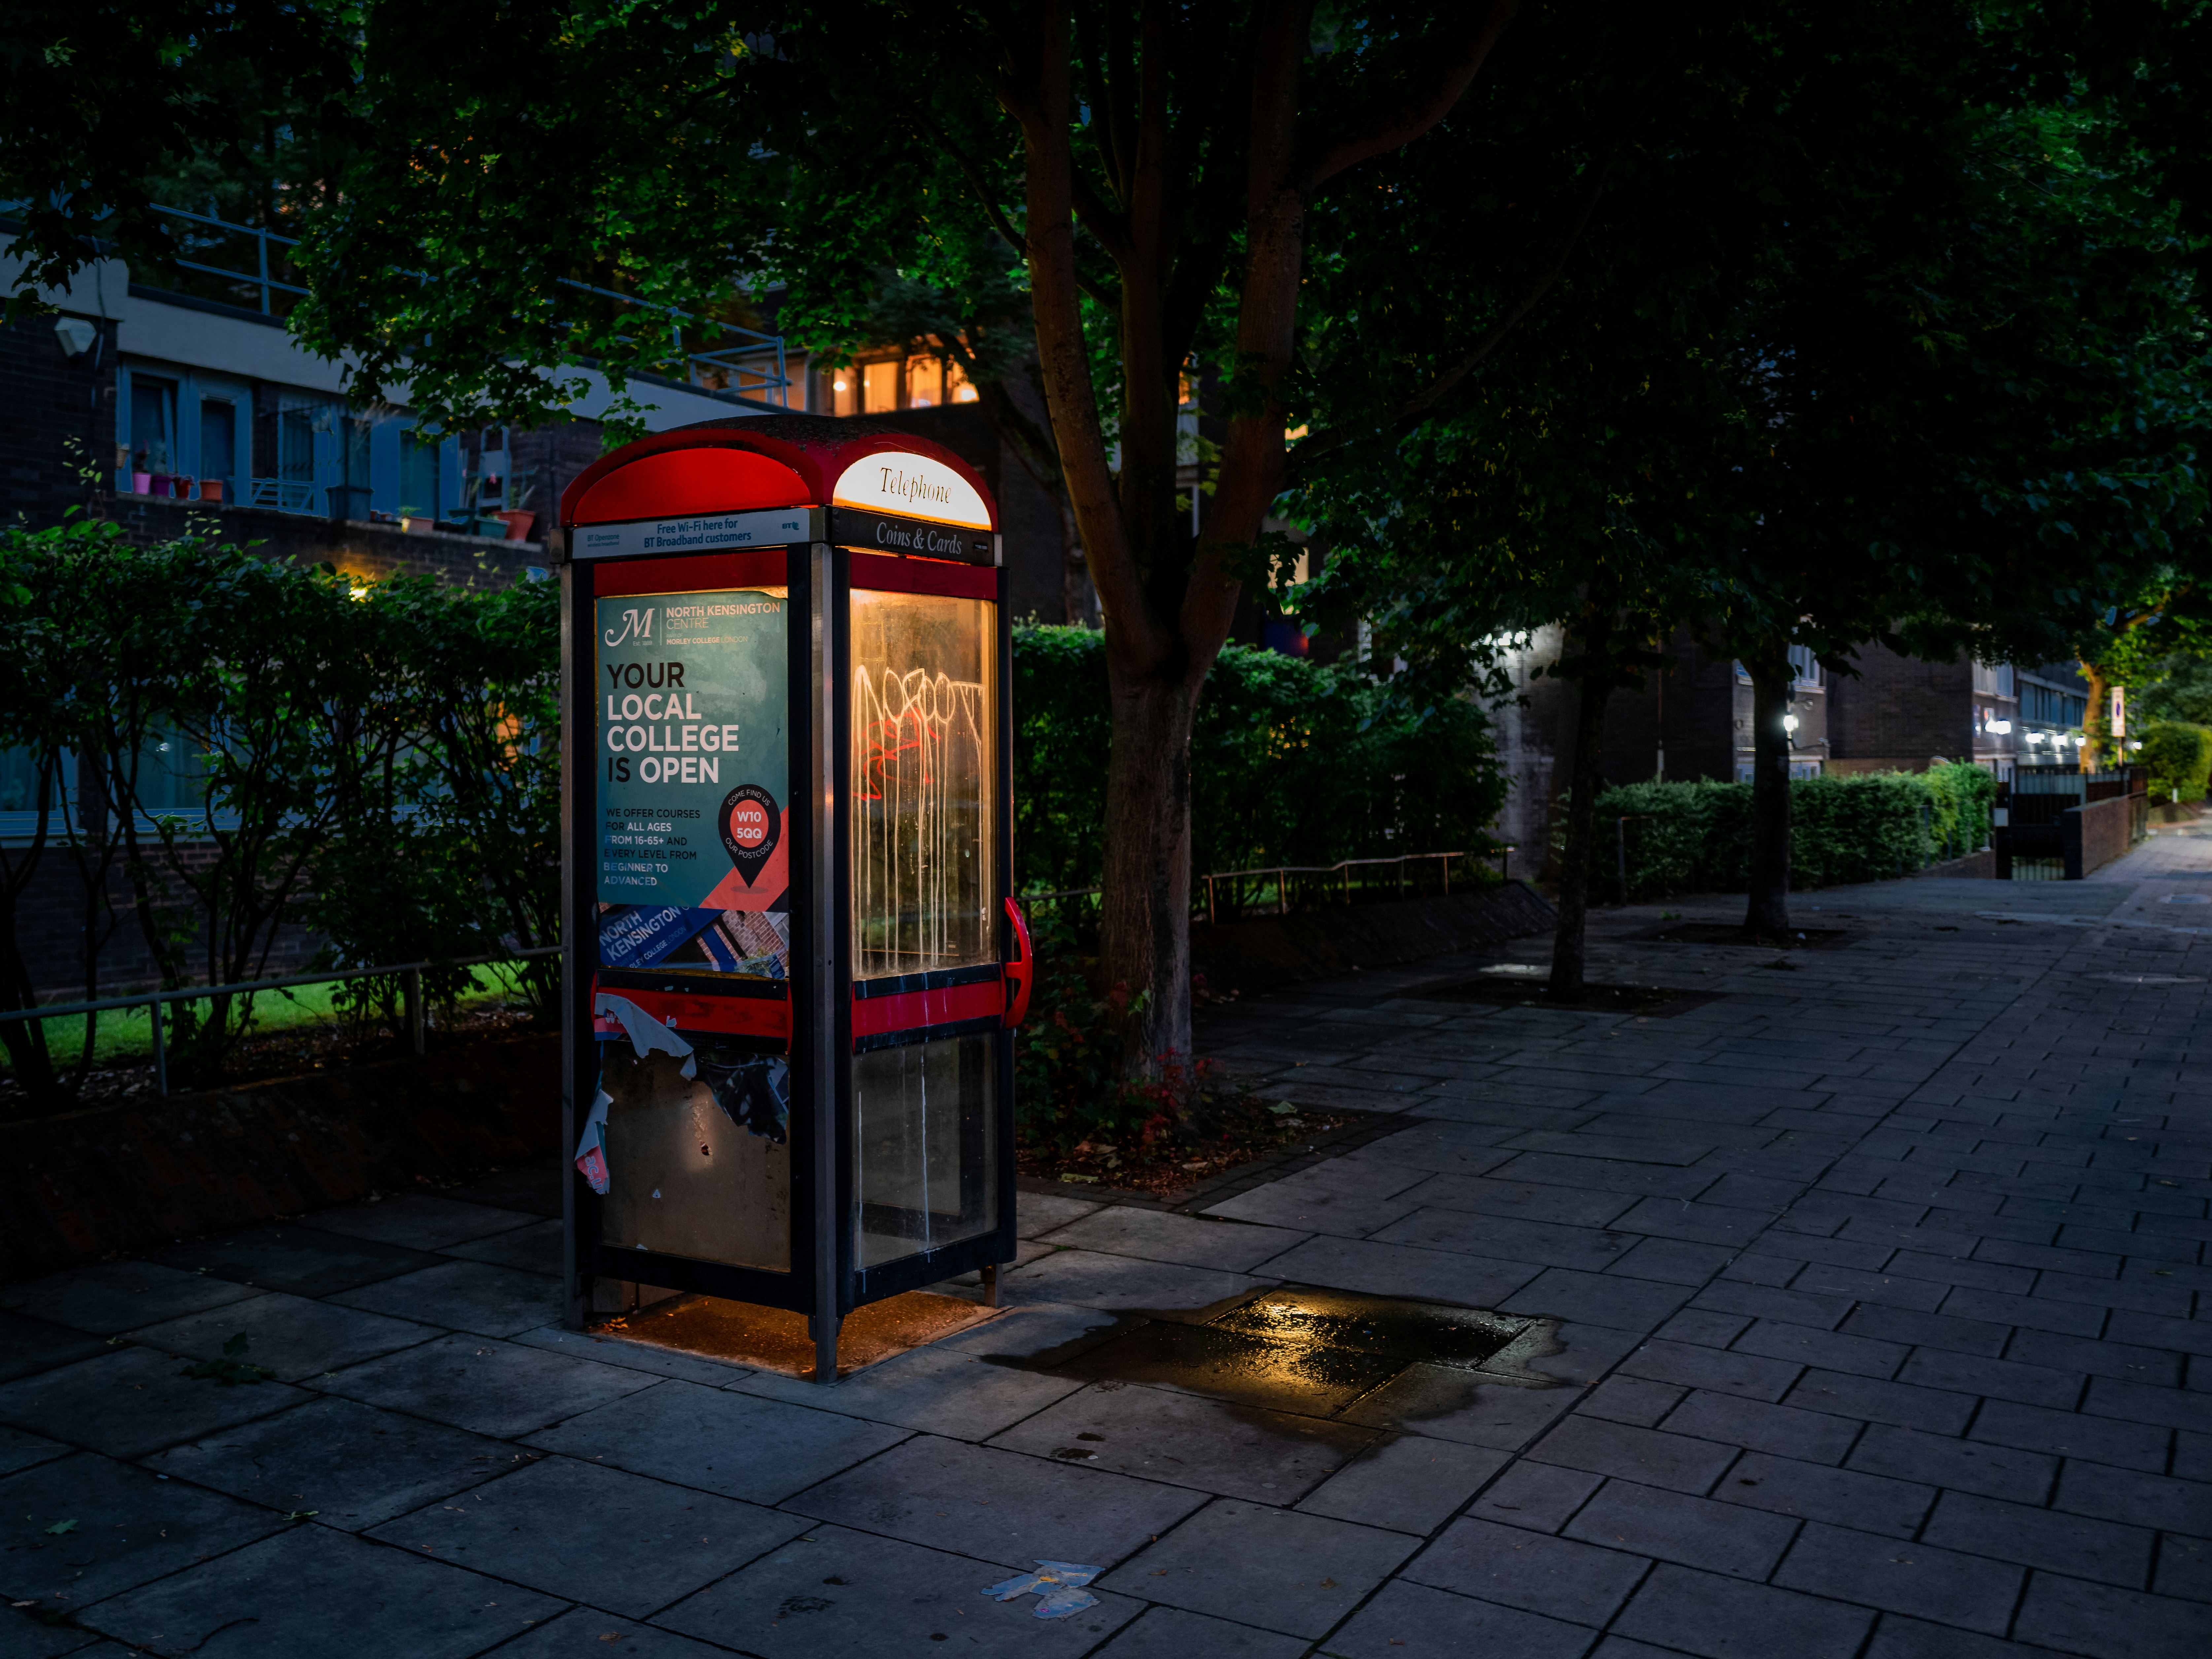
[1884, 1328]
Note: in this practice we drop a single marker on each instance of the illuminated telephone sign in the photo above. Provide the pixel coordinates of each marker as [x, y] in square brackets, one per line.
[793, 965]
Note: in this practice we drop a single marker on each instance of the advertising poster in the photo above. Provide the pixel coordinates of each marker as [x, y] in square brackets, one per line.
[693, 742]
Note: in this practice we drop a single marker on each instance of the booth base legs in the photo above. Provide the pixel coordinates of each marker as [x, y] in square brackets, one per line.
[825, 1328]
[991, 1286]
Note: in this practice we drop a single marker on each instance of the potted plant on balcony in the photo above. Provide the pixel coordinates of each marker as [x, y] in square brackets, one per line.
[141, 475]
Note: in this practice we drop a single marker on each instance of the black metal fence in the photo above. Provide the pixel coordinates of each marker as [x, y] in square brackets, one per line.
[154, 1001]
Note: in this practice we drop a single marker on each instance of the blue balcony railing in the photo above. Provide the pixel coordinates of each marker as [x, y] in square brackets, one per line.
[724, 357]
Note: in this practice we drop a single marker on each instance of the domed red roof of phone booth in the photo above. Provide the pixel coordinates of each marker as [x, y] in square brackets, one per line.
[744, 464]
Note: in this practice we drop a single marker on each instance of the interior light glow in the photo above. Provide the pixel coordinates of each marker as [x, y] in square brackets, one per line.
[837, 385]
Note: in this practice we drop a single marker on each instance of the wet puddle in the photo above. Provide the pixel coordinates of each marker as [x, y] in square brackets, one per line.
[1299, 1350]
[1313, 1353]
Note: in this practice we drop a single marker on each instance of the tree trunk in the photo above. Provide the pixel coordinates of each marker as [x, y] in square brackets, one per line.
[1145, 920]
[1767, 914]
[1569, 942]
[1165, 604]
[2097, 719]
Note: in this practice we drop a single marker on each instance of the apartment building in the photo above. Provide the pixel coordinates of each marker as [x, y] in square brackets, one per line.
[1884, 712]
[178, 391]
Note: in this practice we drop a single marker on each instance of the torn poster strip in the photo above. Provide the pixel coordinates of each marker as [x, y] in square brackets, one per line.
[753, 1090]
[1059, 1586]
[645, 1033]
[592, 1150]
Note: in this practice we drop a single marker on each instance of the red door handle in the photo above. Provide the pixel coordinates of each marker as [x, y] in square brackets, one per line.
[1019, 973]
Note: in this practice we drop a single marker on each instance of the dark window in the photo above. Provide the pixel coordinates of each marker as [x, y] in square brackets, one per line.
[296, 447]
[419, 475]
[19, 782]
[172, 774]
[219, 440]
[152, 423]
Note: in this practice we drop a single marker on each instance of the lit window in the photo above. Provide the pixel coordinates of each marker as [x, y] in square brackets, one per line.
[958, 389]
[879, 388]
[924, 383]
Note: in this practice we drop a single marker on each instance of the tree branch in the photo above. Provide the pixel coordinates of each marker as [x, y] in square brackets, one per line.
[1322, 444]
[999, 222]
[1037, 71]
[1401, 117]
[1480, 352]
[1102, 133]
[1108, 229]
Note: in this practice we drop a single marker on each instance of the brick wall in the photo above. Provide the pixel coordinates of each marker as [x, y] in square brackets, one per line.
[51, 932]
[553, 455]
[1695, 699]
[1900, 712]
[2098, 833]
[51, 399]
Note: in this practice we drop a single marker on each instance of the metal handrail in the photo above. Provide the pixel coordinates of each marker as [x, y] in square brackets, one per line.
[263, 280]
[723, 359]
[199, 992]
[1505, 852]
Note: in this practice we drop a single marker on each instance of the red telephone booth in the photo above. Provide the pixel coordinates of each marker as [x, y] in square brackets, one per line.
[793, 966]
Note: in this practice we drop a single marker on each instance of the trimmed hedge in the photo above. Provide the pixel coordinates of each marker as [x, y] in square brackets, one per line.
[2179, 757]
[1873, 826]
[1292, 762]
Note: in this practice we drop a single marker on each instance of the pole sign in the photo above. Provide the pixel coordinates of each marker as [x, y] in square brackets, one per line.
[693, 760]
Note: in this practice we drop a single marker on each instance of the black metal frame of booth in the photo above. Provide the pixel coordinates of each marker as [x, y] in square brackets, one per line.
[824, 1017]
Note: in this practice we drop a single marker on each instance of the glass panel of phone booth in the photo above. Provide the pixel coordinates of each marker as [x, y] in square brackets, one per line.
[924, 885]
[692, 696]
[926, 1170]
[924, 782]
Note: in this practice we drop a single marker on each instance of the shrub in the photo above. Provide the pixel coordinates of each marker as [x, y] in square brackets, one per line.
[378, 761]
[1292, 763]
[1069, 1085]
[2179, 758]
[1696, 837]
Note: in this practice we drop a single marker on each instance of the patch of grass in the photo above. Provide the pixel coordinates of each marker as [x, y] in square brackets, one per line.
[124, 1036]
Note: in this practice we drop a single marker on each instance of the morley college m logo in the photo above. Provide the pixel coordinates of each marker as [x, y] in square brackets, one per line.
[635, 625]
